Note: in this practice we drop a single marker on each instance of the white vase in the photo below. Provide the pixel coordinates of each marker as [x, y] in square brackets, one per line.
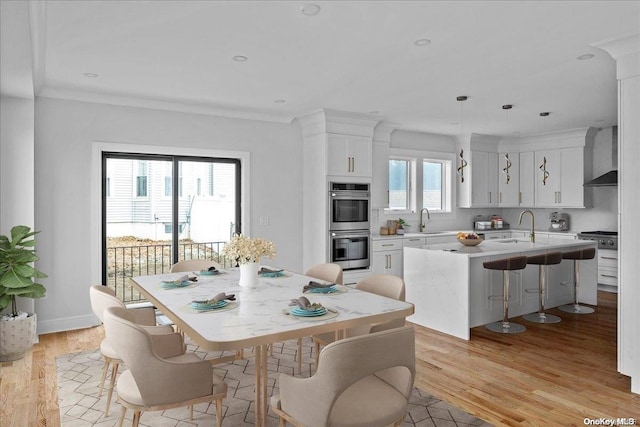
[249, 275]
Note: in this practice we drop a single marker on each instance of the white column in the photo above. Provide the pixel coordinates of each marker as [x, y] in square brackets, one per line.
[626, 51]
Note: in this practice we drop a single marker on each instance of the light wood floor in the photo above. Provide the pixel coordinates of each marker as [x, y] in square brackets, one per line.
[552, 375]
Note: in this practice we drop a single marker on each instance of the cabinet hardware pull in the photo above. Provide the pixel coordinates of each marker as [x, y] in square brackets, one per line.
[387, 244]
[609, 257]
[609, 275]
[353, 164]
[520, 197]
[500, 197]
[559, 196]
[489, 196]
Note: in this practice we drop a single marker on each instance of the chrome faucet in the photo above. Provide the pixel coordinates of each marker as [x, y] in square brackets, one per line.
[532, 234]
[422, 224]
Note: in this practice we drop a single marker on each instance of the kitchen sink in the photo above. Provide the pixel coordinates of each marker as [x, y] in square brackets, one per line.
[514, 241]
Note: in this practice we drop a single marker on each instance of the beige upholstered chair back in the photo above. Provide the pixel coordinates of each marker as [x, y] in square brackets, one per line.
[158, 381]
[387, 286]
[383, 284]
[193, 265]
[389, 355]
[103, 297]
[327, 272]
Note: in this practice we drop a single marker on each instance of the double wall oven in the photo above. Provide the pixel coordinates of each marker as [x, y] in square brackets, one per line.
[349, 226]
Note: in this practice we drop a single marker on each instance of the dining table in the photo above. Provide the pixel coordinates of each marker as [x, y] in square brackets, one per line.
[261, 315]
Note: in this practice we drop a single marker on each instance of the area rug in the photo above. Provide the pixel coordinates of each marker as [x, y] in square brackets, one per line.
[79, 376]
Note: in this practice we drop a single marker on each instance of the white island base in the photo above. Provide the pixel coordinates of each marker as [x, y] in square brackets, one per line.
[453, 292]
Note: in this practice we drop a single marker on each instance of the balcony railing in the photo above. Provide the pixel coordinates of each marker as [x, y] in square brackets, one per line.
[125, 262]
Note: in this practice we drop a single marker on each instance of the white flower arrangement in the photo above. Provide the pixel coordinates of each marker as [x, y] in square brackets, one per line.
[242, 249]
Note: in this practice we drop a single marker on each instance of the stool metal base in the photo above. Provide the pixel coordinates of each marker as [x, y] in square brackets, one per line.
[505, 328]
[576, 309]
[541, 318]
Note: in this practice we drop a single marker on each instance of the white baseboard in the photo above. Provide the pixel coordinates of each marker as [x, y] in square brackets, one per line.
[67, 324]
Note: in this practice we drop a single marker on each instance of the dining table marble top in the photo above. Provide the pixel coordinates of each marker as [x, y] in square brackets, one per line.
[260, 315]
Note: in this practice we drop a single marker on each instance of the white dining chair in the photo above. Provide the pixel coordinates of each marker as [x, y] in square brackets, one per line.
[193, 265]
[362, 381]
[160, 374]
[327, 272]
[385, 285]
[103, 297]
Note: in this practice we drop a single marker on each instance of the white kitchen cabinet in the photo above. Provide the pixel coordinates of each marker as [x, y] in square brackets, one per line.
[559, 178]
[380, 176]
[434, 240]
[484, 179]
[414, 242]
[608, 267]
[527, 179]
[349, 155]
[492, 235]
[387, 257]
[518, 234]
[509, 179]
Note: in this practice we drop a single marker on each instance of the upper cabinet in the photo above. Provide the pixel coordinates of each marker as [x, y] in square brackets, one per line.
[509, 179]
[349, 155]
[484, 179]
[560, 177]
[546, 171]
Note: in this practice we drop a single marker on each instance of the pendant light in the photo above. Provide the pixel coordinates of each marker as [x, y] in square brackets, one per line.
[543, 166]
[507, 166]
[463, 162]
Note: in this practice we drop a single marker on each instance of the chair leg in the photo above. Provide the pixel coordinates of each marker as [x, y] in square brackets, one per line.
[136, 419]
[317, 348]
[112, 383]
[107, 362]
[282, 422]
[121, 420]
[299, 355]
[219, 413]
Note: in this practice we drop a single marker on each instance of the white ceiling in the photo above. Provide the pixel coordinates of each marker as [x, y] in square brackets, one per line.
[356, 56]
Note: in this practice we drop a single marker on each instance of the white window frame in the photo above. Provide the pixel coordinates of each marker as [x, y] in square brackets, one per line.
[416, 159]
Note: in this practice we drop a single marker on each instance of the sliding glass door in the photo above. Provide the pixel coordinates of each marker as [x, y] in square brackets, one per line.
[158, 210]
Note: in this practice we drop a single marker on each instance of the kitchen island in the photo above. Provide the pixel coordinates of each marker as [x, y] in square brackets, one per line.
[453, 292]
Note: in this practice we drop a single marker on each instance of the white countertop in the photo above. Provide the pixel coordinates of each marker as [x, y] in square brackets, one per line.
[376, 236]
[505, 247]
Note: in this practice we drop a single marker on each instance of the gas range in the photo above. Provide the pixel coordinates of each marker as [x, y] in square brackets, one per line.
[605, 239]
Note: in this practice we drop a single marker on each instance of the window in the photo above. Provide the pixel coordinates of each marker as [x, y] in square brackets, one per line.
[141, 179]
[412, 188]
[167, 186]
[108, 187]
[399, 184]
[199, 186]
[432, 189]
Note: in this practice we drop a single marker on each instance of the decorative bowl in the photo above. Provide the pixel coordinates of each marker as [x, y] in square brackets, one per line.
[470, 242]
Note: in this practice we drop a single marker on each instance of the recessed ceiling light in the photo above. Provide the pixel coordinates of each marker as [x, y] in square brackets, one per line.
[374, 112]
[92, 75]
[240, 58]
[310, 9]
[422, 42]
[279, 101]
[586, 56]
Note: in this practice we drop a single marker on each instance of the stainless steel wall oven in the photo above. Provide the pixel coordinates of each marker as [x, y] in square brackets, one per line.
[350, 249]
[349, 227]
[348, 206]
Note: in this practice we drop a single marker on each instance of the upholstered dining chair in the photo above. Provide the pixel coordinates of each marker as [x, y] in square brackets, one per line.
[102, 298]
[362, 381]
[328, 272]
[160, 374]
[385, 285]
[193, 265]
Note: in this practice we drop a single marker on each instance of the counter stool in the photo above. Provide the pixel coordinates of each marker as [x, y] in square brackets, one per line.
[576, 256]
[506, 265]
[542, 261]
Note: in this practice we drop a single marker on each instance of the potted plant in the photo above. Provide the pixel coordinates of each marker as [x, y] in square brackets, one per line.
[401, 225]
[18, 279]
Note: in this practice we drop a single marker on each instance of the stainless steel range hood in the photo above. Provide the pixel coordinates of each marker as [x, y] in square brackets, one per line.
[605, 158]
[609, 179]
